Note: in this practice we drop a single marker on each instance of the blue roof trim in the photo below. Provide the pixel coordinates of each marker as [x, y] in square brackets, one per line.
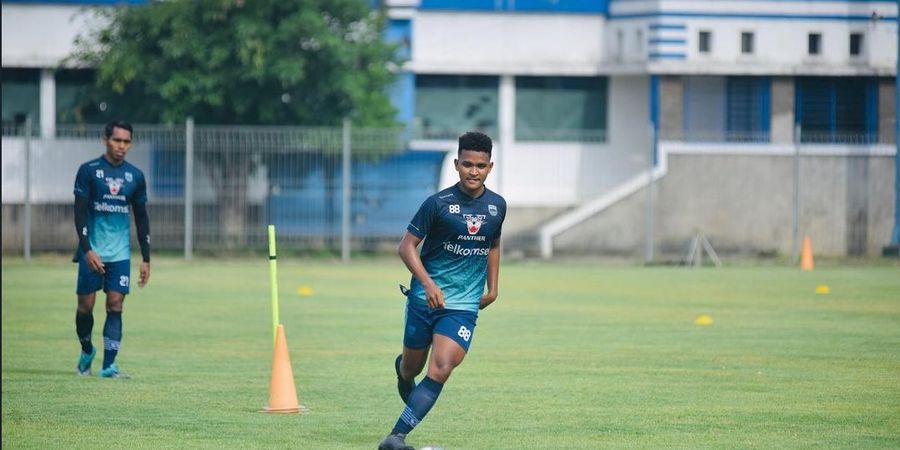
[668, 26]
[548, 6]
[696, 15]
[786, 1]
[660, 55]
[653, 41]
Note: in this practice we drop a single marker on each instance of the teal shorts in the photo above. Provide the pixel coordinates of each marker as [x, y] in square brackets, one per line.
[422, 323]
[117, 277]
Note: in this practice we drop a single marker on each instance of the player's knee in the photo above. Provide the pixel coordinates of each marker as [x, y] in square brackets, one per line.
[441, 370]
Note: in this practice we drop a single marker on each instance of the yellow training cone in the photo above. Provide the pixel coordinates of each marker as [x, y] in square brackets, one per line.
[822, 289]
[703, 320]
[304, 291]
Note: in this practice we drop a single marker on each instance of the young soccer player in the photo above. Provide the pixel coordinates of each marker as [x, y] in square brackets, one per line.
[106, 189]
[461, 228]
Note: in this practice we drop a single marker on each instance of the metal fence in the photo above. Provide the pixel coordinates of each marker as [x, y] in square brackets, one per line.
[214, 189]
[342, 190]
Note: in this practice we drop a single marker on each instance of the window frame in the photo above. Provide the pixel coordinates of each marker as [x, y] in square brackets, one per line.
[704, 42]
[748, 41]
[814, 44]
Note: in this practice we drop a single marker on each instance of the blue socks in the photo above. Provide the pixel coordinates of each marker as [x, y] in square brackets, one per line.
[420, 402]
[84, 324]
[112, 337]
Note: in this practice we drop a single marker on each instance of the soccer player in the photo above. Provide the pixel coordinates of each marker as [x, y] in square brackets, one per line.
[461, 228]
[106, 189]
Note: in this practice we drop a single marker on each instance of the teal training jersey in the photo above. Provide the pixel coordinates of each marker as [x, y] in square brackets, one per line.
[111, 190]
[458, 233]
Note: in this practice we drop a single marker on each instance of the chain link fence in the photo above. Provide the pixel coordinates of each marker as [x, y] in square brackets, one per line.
[215, 189]
[342, 190]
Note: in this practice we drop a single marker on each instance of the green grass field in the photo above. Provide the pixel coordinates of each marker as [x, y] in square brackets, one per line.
[573, 355]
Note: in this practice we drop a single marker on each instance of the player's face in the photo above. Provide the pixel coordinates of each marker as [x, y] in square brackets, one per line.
[473, 168]
[117, 145]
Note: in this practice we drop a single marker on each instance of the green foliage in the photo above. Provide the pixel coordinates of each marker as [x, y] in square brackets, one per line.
[286, 62]
[574, 356]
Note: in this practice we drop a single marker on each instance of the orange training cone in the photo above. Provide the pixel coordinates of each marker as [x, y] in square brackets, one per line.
[806, 255]
[283, 393]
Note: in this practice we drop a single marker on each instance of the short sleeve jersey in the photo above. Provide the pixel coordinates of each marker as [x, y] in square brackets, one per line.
[458, 233]
[111, 190]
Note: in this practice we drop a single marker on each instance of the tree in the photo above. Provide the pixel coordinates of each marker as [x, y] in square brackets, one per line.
[229, 62]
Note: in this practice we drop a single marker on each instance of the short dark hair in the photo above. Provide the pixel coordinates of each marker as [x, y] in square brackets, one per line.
[475, 141]
[108, 130]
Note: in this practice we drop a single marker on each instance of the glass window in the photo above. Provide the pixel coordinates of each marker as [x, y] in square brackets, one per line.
[561, 109]
[620, 45]
[814, 43]
[837, 109]
[726, 109]
[449, 105]
[74, 104]
[21, 97]
[639, 42]
[746, 42]
[856, 44]
[704, 45]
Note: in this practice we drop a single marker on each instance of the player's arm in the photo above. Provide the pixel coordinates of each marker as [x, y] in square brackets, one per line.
[82, 216]
[493, 275]
[142, 223]
[410, 256]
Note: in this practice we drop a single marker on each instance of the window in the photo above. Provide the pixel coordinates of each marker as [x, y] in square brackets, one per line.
[620, 45]
[21, 96]
[856, 44]
[561, 109]
[726, 109]
[837, 109]
[74, 104]
[703, 41]
[449, 105]
[639, 42]
[814, 43]
[746, 42]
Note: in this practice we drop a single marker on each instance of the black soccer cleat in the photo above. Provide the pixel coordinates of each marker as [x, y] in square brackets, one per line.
[404, 387]
[395, 442]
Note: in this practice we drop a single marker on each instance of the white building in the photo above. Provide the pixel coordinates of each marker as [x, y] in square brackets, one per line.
[590, 102]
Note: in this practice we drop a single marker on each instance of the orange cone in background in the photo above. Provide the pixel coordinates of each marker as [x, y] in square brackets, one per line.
[806, 255]
[282, 393]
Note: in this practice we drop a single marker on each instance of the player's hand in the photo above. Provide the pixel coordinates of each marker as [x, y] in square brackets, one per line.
[93, 262]
[435, 297]
[145, 274]
[487, 299]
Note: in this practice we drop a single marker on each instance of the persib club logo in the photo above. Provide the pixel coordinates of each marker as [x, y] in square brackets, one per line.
[128, 177]
[474, 222]
[114, 185]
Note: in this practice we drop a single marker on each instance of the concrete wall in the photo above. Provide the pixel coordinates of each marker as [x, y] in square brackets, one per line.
[744, 205]
[43, 35]
[780, 32]
[524, 44]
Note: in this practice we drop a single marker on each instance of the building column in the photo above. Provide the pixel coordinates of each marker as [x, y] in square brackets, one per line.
[48, 103]
[671, 108]
[782, 110]
[506, 126]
